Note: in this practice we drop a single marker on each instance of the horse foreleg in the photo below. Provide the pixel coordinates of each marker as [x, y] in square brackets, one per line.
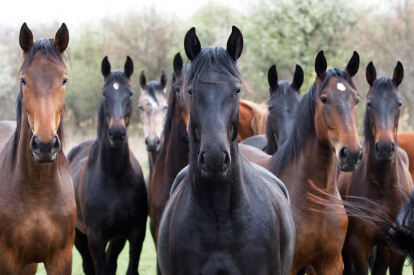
[135, 246]
[60, 261]
[28, 270]
[97, 247]
[329, 265]
[114, 249]
[81, 244]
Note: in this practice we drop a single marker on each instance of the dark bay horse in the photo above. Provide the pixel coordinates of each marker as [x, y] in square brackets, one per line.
[173, 155]
[382, 177]
[152, 106]
[324, 140]
[284, 99]
[226, 215]
[37, 203]
[109, 184]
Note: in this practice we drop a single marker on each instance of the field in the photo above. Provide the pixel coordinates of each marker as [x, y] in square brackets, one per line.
[148, 255]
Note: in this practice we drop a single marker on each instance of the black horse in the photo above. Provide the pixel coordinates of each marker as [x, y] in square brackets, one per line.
[109, 186]
[284, 99]
[226, 215]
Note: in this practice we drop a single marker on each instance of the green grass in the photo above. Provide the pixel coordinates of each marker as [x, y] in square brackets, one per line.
[146, 265]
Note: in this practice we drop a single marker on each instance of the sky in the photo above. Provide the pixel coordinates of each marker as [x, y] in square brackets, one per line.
[74, 12]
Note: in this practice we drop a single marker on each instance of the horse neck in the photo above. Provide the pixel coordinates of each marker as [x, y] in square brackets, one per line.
[271, 146]
[218, 195]
[317, 164]
[113, 160]
[152, 157]
[382, 173]
[27, 169]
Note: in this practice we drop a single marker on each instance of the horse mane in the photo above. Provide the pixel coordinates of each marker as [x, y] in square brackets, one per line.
[380, 84]
[303, 125]
[152, 87]
[260, 114]
[48, 48]
[117, 76]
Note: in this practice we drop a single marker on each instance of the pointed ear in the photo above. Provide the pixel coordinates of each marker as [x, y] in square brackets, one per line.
[320, 65]
[398, 74]
[105, 67]
[143, 80]
[163, 80]
[235, 43]
[62, 38]
[192, 44]
[25, 38]
[353, 64]
[178, 64]
[371, 73]
[297, 78]
[272, 78]
[128, 67]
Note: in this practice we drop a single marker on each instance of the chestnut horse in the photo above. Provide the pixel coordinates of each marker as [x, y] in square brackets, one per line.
[284, 99]
[252, 119]
[406, 142]
[152, 106]
[37, 203]
[173, 155]
[324, 137]
[382, 177]
[109, 184]
[226, 215]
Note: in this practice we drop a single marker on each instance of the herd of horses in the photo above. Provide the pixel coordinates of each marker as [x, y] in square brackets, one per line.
[231, 189]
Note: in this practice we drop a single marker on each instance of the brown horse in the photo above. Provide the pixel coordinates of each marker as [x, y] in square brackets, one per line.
[406, 142]
[37, 203]
[324, 137]
[382, 177]
[174, 149]
[252, 119]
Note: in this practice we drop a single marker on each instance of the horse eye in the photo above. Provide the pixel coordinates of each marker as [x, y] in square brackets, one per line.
[399, 104]
[356, 101]
[190, 92]
[140, 108]
[270, 108]
[237, 92]
[23, 82]
[64, 81]
[165, 108]
[369, 104]
[324, 99]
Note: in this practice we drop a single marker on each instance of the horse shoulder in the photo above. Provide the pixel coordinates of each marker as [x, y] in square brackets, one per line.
[255, 155]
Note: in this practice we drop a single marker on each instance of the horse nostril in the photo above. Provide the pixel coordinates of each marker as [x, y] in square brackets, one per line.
[360, 154]
[56, 143]
[392, 147]
[147, 141]
[201, 159]
[34, 143]
[377, 147]
[157, 141]
[344, 153]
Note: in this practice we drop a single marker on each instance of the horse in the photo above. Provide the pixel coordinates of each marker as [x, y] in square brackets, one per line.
[37, 203]
[174, 151]
[252, 119]
[382, 177]
[323, 138]
[406, 142]
[226, 215]
[109, 185]
[152, 106]
[284, 99]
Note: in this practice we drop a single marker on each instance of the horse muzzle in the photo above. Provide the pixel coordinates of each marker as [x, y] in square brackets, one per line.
[117, 135]
[153, 144]
[214, 161]
[349, 160]
[385, 151]
[44, 152]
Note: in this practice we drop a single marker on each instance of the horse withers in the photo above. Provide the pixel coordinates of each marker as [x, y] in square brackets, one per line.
[383, 177]
[226, 215]
[284, 99]
[37, 203]
[109, 184]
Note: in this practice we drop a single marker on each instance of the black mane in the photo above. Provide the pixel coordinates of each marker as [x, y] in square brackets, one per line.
[379, 84]
[303, 126]
[117, 76]
[152, 87]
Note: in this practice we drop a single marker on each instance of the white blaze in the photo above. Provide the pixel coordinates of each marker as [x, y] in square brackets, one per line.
[116, 86]
[340, 87]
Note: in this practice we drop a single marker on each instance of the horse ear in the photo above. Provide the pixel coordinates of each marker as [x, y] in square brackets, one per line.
[25, 38]
[297, 78]
[128, 67]
[320, 65]
[272, 78]
[371, 73]
[105, 67]
[398, 74]
[235, 43]
[143, 80]
[163, 80]
[62, 38]
[192, 44]
[178, 64]
[353, 64]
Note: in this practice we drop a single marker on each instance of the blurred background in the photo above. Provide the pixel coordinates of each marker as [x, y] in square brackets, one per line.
[281, 32]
